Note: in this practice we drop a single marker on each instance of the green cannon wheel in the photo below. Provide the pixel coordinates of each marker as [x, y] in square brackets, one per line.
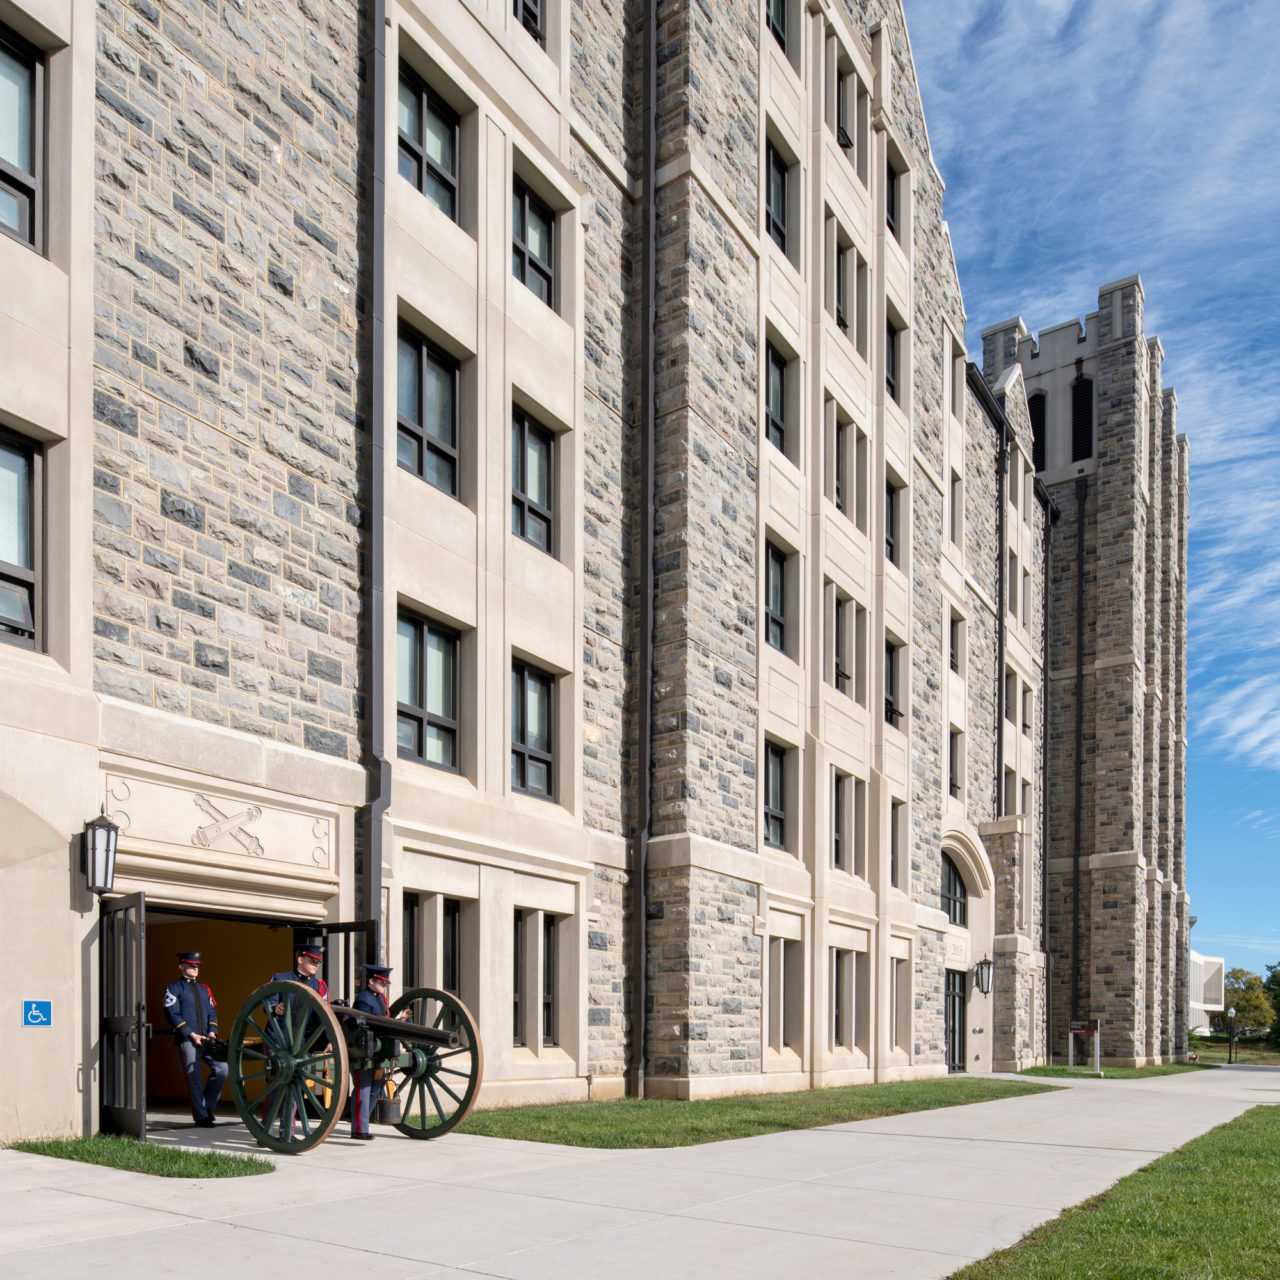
[294, 1062]
[437, 1086]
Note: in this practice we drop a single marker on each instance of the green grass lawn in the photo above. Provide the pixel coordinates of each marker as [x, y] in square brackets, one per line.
[1256, 1053]
[1203, 1212]
[147, 1157]
[1119, 1073]
[657, 1122]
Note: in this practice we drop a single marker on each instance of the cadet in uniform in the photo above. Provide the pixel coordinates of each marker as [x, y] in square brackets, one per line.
[366, 1090]
[307, 957]
[193, 1014]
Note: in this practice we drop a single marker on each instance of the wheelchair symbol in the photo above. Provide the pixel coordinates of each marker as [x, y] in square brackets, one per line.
[37, 1013]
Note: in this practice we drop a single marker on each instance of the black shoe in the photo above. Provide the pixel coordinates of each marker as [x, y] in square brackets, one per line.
[362, 1137]
[205, 1122]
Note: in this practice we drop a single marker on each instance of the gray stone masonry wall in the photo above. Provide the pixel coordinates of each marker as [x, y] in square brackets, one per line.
[227, 510]
[704, 975]
[608, 985]
[1116, 991]
[928, 1017]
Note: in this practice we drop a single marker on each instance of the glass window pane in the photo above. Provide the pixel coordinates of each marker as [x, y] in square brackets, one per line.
[407, 374]
[441, 746]
[775, 388]
[538, 531]
[407, 115]
[538, 712]
[408, 663]
[17, 84]
[538, 469]
[439, 141]
[13, 606]
[408, 451]
[439, 416]
[773, 779]
[407, 734]
[439, 194]
[517, 709]
[15, 507]
[440, 472]
[408, 167]
[11, 209]
[541, 286]
[440, 673]
[539, 777]
[539, 240]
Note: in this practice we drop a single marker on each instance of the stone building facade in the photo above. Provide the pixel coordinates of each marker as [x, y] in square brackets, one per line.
[506, 478]
[1110, 455]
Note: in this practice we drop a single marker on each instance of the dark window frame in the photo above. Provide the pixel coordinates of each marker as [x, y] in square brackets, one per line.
[892, 523]
[776, 219]
[775, 12]
[775, 814]
[524, 425]
[415, 149]
[412, 428]
[524, 261]
[892, 360]
[27, 632]
[775, 364]
[955, 778]
[839, 837]
[842, 660]
[892, 202]
[842, 287]
[843, 136]
[1082, 441]
[549, 974]
[522, 674]
[895, 843]
[892, 710]
[451, 946]
[956, 639]
[839, 494]
[28, 187]
[775, 571]
[418, 716]
[954, 893]
[517, 979]
[532, 16]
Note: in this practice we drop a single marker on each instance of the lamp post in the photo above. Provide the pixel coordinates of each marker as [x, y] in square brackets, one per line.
[98, 854]
[1231, 1035]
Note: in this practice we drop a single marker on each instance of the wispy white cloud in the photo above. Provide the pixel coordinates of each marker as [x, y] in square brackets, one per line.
[1267, 946]
[1082, 141]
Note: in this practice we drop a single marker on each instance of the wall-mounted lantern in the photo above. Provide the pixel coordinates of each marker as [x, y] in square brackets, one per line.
[982, 976]
[98, 854]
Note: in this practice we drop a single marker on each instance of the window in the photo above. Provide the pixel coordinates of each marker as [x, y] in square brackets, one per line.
[843, 644]
[775, 408]
[1026, 798]
[842, 486]
[775, 597]
[786, 994]
[891, 353]
[21, 139]
[410, 938]
[859, 828]
[955, 764]
[532, 456]
[775, 795]
[844, 125]
[776, 196]
[549, 1035]
[859, 655]
[1028, 703]
[532, 242]
[896, 811]
[892, 523]
[956, 646]
[517, 978]
[1013, 584]
[841, 998]
[892, 180]
[955, 897]
[426, 692]
[532, 760]
[842, 288]
[1010, 793]
[20, 539]
[839, 819]
[532, 17]
[892, 710]
[900, 1013]
[862, 482]
[427, 411]
[428, 143]
[450, 946]
[1081, 419]
[1013, 484]
[776, 16]
[861, 302]
[957, 509]
[1011, 695]
[1035, 410]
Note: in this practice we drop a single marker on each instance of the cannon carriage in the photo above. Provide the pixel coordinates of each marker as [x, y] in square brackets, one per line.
[290, 1056]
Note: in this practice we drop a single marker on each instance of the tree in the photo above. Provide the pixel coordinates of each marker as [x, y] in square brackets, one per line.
[1272, 984]
[1247, 994]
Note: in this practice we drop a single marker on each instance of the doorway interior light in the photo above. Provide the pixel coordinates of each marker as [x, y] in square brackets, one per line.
[98, 853]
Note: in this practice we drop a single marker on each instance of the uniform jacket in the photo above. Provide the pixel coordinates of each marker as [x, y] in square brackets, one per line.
[315, 982]
[184, 1003]
[369, 1001]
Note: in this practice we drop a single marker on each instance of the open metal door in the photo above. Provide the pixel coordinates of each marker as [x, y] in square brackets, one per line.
[122, 942]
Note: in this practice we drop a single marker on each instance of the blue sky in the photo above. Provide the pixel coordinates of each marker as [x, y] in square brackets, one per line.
[1085, 141]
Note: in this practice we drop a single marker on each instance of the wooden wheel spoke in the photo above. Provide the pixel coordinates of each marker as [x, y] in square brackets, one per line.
[436, 1100]
[252, 1054]
[269, 1118]
[447, 1090]
[453, 1071]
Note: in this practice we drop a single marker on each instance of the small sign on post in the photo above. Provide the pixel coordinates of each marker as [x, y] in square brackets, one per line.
[1084, 1028]
[37, 1013]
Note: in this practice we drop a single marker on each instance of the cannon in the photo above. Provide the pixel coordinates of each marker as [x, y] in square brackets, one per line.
[290, 1071]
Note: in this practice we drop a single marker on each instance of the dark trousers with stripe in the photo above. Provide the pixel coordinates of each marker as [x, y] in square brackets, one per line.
[204, 1095]
[365, 1093]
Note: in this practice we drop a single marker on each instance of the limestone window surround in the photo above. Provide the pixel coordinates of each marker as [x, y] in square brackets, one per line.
[22, 139]
[786, 1001]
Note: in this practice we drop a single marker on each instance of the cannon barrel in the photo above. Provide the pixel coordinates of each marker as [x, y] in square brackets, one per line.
[406, 1032]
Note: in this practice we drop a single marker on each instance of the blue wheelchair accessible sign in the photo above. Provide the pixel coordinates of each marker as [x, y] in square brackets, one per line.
[37, 1013]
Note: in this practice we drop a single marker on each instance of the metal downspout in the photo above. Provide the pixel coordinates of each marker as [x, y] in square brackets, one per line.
[1051, 514]
[1082, 493]
[644, 655]
[1002, 468]
[380, 782]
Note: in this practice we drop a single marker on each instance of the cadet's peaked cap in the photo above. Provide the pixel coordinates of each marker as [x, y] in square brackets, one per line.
[312, 948]
[190, 957]
[382, 971]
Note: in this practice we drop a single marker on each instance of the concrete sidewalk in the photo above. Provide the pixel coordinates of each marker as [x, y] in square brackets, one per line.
[907, 1196]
